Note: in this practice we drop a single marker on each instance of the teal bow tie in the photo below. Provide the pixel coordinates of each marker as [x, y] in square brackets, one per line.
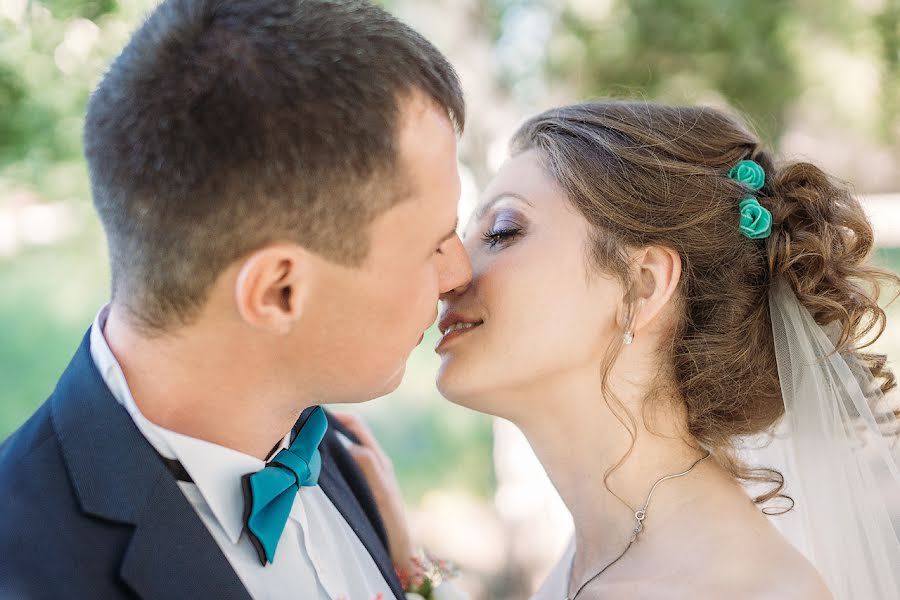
[269, 493]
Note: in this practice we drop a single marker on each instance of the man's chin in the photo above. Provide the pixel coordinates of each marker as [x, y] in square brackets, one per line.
[369, 389]
[388, 385]
[394, 381]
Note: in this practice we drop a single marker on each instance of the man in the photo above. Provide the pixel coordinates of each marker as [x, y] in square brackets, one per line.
[277, 181]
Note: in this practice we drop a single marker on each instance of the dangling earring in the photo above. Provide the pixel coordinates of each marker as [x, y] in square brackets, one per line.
[628, 337]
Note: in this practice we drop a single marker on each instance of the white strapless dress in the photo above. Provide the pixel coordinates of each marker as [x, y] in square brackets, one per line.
[555, 587]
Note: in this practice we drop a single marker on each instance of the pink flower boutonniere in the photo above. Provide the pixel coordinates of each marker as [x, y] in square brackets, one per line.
[425, 575]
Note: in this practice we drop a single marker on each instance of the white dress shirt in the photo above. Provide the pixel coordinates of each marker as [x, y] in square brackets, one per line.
[319, 557]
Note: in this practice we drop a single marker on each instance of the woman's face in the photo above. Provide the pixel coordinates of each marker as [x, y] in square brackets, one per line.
[535, 313]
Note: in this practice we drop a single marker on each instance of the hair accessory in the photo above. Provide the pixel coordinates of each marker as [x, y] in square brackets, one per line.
[749, 173]
[756, 220]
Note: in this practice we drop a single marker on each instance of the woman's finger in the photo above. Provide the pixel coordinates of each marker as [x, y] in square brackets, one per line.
[364, 435]
[368, 464]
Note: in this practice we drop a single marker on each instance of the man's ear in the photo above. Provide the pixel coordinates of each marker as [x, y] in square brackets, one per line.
[656, 272]
[272, 287]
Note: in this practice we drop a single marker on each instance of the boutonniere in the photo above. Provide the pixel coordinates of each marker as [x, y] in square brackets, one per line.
[424, 578]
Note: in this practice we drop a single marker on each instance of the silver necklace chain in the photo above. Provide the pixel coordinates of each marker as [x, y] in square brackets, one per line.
[639, 517]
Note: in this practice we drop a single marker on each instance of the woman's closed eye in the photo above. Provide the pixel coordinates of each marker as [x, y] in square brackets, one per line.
[502, 232]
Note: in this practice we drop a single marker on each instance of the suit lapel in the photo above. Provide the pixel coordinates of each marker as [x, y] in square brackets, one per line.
[172, 554]
[118, 476]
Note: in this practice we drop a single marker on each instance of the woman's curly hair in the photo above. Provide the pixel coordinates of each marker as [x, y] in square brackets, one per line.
[648, 174]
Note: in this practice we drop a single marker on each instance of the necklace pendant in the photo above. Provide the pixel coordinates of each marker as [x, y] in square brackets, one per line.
[639, 517]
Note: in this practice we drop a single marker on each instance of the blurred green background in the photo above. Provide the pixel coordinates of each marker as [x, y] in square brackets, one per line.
[820, 79]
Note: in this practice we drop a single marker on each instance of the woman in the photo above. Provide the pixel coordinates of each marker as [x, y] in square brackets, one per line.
[626, 263]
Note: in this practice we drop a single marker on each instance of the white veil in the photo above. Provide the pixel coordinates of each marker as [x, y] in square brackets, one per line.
[839, 457]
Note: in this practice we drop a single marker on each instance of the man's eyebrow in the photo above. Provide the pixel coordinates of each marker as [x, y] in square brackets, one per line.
[490, 203]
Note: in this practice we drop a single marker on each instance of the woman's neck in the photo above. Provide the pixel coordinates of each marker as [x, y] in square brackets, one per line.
[582, 440]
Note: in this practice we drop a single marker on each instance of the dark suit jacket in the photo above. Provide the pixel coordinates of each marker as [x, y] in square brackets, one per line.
[88, 509]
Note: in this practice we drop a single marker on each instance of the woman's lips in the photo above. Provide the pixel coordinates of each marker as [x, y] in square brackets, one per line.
[455, 332]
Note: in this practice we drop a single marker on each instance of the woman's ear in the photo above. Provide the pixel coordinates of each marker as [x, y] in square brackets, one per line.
[272, 287]
[656, 272]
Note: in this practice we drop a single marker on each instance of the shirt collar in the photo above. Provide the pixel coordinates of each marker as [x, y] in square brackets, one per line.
[114, 378]
[216, 470]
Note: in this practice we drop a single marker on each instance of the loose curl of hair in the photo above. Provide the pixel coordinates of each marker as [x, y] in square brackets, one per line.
[647, 174]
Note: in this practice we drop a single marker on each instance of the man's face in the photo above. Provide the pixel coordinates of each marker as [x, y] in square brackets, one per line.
[363, 322]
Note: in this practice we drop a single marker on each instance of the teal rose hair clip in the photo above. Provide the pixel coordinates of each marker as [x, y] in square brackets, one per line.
[756, 220]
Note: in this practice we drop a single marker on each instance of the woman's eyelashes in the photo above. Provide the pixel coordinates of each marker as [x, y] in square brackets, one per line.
[502, 232]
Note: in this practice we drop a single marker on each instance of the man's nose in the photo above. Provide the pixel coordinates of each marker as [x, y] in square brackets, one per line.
[456, 268]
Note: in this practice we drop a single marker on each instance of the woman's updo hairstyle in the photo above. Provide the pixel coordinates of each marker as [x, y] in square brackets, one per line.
[648, 174]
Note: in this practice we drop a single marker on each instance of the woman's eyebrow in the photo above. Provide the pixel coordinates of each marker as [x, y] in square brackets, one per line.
[490, 203]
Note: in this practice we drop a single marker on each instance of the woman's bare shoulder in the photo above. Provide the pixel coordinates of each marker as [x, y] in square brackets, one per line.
[792, 578]
[784, 577]
[771, 570]
[755, 586]
[761, 568]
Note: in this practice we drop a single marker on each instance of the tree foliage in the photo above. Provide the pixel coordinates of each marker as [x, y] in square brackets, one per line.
[747, 53]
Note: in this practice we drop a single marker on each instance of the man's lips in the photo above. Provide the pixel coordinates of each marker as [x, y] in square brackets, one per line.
[430, 323]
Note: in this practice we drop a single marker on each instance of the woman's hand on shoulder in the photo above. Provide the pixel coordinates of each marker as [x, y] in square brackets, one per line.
[378, 470]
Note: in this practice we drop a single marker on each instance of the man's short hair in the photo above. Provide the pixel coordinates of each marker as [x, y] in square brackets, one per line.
[225, 125]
